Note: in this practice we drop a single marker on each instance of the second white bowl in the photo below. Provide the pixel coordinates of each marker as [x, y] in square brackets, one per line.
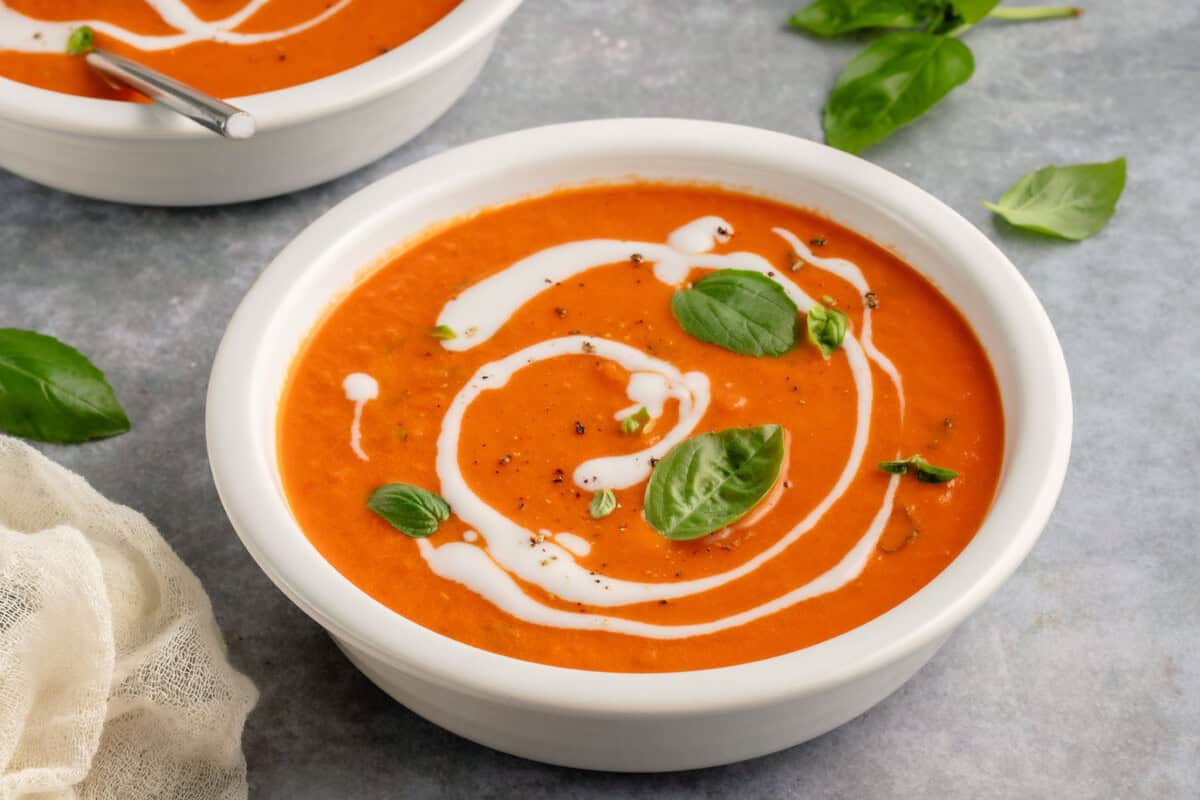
[307, 134]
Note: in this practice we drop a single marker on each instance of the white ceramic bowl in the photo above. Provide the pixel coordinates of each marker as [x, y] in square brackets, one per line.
[620, 721]
[314, 132]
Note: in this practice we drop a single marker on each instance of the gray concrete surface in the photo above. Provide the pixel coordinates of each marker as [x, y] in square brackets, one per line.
[1079, 679]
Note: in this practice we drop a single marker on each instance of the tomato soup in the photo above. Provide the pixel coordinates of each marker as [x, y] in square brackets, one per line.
[596, 470]
[228, 48]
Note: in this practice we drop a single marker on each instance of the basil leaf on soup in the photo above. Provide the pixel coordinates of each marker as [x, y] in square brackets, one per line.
[82, 40]
[739, 310]
[50, 392]
[709, 481]
[635, 421]
[826, 328]
[1069, 202]
[604, 502]
[411, 510]
[835, 17]
[891, 83]
[925, 472]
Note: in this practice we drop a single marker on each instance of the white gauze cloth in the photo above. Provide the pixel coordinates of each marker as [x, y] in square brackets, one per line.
[113, 676]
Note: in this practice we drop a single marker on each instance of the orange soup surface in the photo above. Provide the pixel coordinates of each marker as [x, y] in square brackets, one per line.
[228, 48]
[496, 362]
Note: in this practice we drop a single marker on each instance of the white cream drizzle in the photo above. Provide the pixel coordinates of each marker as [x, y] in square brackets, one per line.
[471, 567]
[512, 551]
[576, 544]
[849, 272]
[647, 390]
[28, 35]
[360, 389]
[486, 306]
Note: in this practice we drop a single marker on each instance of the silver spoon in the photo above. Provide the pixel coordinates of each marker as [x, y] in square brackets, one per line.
[216, 115]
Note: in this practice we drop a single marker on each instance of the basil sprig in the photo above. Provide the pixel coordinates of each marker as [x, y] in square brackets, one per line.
[50, 392]
[413, 511]
[925, 472]
[1069, 202]
[604, 502]
[711, 480]
[826, 328]
[739, 310]
[903, 74]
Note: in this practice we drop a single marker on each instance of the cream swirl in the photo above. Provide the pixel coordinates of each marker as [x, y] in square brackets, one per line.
[491, 566]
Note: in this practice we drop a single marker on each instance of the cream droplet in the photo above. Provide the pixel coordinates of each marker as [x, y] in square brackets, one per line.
[359, 388]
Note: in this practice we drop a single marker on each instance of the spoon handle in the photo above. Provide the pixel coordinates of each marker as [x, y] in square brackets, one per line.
[220, 117]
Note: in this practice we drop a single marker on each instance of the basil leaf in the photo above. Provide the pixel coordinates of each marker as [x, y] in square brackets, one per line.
[826, 328]
[443, 332]
[712, 480]
[895, 80]
[739, 310]
[51, 392]
[835, 17]
[925, 472]
[1069, 202]
[635, 421]
[411, 510]
[604, 502]
[82, 40]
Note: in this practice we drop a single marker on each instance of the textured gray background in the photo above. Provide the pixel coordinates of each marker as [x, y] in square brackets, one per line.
[1081, 677]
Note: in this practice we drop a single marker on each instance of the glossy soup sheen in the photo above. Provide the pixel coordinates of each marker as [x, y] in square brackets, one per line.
[953, 417]
[358, 32]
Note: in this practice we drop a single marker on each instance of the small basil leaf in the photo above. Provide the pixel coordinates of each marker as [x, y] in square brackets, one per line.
[709, 481]
[826, 328]
[1069, 202]
[604, 502]
[739, 310]
[411, 510]
[925, 472]
[891, 83]
[51, 392]
[443, 332]
[82, 40]
[835, 17]
[635, 421]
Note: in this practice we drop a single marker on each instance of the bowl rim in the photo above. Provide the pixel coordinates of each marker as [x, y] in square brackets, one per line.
[1038, 465]
[462, 28]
